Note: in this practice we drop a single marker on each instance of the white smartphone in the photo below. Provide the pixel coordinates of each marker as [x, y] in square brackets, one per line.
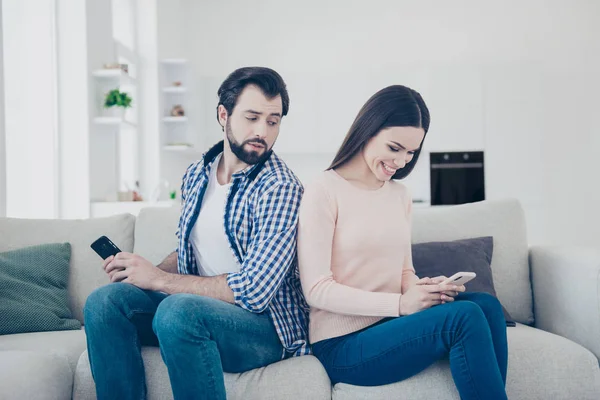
[459, 278]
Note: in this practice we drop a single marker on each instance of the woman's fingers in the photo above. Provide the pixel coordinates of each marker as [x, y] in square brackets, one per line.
[451, 293]
[423, 281]
[447, 298]
[442, 288]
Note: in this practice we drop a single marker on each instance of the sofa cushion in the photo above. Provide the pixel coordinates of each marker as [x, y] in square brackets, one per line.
[540, 366]
[34, 376]
[447, 258]
[504, 220]
[156, 232]
[296, 378]
[33, 289]
[85, 272]
[66, 344]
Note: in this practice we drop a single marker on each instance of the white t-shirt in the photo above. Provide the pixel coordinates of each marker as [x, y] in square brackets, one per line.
[209, 240]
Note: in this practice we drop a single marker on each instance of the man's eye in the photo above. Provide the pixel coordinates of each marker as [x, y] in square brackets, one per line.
[251, 118]
[272, 123]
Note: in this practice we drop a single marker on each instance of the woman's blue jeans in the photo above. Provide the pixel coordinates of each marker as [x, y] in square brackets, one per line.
[471, 331]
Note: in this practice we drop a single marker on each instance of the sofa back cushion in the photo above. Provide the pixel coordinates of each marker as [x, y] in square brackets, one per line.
[156, 232]
[85, 269]
[504, 220]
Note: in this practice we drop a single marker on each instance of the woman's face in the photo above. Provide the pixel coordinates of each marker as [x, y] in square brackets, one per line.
[391, 149]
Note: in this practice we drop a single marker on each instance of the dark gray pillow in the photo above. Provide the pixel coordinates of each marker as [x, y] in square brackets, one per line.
[447, 258]
[33, 289]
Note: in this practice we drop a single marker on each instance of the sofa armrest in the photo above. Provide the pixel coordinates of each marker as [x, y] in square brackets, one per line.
[566, 293]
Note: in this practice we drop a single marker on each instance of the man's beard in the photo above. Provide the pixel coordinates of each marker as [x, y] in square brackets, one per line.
[249, 157]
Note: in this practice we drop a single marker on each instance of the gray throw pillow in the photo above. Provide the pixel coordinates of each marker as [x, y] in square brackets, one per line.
[447, 258]
[33, 289]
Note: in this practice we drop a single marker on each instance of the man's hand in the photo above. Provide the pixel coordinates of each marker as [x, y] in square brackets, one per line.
[134, 269]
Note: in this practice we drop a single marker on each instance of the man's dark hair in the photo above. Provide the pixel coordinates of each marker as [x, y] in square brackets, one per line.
[269, 81]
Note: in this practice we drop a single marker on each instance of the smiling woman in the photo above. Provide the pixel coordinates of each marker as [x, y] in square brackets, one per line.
[388, 131]
[357, 273]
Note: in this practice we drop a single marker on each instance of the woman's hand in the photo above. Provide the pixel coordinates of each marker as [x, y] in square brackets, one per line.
[425, 293]
[442, 278]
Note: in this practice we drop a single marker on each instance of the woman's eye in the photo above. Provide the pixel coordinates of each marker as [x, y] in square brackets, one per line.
[395, 150]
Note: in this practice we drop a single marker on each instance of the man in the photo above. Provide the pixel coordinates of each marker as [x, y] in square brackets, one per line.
[229, 299]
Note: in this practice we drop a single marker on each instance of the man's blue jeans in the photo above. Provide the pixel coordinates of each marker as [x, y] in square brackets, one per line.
[199, 339]
[471, 331]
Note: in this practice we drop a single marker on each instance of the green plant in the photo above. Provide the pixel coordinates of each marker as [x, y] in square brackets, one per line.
[116, 98]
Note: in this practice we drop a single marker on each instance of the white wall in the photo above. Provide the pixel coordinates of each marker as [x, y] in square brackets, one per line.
[103, 141]
[32, 165]
[147, 40]
[517, 79]
[73, 112]
[2, 135]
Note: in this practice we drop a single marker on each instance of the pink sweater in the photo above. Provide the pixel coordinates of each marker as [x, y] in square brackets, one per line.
[354, 248]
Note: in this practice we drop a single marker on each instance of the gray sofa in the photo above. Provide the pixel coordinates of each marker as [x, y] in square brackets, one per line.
[554, 356]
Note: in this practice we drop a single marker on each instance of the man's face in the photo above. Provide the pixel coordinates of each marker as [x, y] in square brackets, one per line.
[253, 126]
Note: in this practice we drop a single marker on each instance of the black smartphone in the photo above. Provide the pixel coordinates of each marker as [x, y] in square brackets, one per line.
[105, 248]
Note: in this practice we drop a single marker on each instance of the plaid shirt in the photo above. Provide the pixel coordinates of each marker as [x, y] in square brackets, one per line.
[260, 218]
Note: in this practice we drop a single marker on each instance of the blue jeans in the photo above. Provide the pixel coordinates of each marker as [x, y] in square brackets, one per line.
[199, 339]
[471, 331]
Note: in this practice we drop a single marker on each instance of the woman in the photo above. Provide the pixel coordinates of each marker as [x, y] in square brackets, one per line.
[372, 320]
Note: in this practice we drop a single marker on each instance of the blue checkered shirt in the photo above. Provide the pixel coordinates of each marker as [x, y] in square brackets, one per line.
[261, 217]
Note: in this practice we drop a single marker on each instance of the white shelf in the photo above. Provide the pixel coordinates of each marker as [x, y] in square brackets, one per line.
[174, 119]
[109, 73]
[174, 89]
[115, 73]
[111, 121]
[174, 61]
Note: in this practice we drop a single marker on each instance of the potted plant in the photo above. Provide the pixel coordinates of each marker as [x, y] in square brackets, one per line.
[116, 102]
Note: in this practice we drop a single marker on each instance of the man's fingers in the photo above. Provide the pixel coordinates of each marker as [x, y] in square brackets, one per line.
[124, 255]
[119, 263]
[119, 276]
[111, 267]
[106, 262]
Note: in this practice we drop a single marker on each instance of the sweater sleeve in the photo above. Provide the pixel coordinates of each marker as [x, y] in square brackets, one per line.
[316, 228]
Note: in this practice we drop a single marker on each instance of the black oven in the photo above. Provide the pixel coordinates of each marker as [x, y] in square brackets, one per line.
[456, 177]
